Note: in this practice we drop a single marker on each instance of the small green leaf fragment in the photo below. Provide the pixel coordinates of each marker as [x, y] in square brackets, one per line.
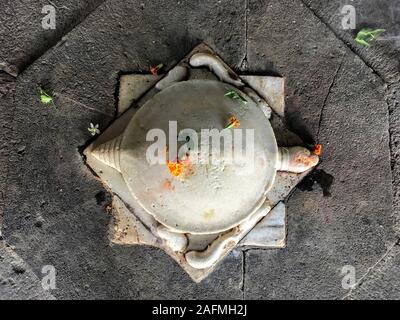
[377, 32]
[45, 98]
[365, 36]
[236, 96]
[231, 94]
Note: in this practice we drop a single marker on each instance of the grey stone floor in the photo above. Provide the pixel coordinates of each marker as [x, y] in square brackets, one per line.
[339, 94]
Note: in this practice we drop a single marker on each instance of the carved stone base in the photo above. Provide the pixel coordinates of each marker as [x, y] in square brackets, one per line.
[131, 225]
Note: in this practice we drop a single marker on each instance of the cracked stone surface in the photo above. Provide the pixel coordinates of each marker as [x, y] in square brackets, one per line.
[276, 43]
[393, 101]
[355, 225]
[53, 207]
[17, 281]
[61, 191]
[383, 280]
[384, 55]
[7, 85]
[23, 39]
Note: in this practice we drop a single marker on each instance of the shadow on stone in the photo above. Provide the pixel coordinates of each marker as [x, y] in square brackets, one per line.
[325, 180]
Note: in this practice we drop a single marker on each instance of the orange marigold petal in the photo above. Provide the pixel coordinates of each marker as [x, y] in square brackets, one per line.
[317, 149]
[175, 168]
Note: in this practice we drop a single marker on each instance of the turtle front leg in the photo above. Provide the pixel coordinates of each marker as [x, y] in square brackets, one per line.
[296, 159]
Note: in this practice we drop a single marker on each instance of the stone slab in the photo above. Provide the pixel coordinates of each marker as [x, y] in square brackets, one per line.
[7, 86]
[17, 281]
[23, 38]
[286, 39]
[131, 224]
[60, 190]
[132, 87]
[382, 282]
[354, 231]
[270, 232]
[126, 228]
[353, 223]
[383, 54]
[393, 101]
[271, 89]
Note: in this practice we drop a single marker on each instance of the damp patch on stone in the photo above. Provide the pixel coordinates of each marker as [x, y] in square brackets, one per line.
[319, 177]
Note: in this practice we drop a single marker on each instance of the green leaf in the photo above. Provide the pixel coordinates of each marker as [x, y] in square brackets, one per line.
[234, 95]
[45, 99]
[362, 42]
[231, 94]
[366, 35]
[377, 32]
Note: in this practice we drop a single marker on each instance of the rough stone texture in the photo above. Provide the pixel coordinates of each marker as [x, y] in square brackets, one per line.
[17, 281]
[383, 55]
[23, 39]
[298, 47]
[383, 282]
[393, 101]
[7, 84]
[55, 208]
[354, 225]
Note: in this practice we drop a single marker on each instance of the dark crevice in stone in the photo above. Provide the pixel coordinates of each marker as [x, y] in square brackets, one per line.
[116, 93]
[321, 113]
[75, 102]
[393, 103]
[268, 70]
